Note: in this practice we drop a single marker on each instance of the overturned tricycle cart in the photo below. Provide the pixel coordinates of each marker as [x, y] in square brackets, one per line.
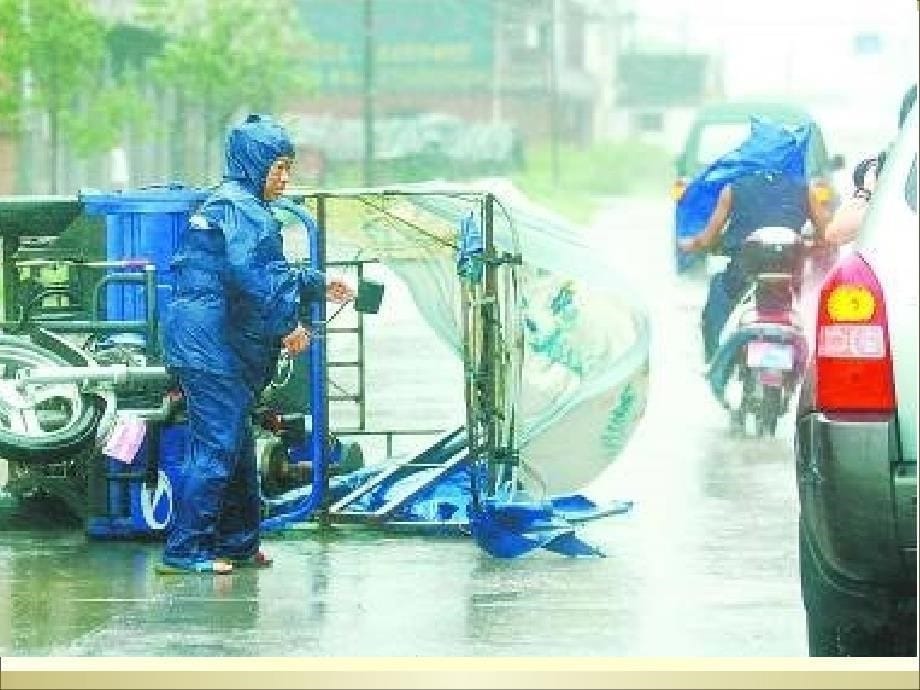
[552, 356]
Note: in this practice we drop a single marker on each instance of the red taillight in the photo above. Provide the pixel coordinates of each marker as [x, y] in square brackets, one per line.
[853, 369]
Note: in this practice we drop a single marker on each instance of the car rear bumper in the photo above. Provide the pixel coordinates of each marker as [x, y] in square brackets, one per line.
[858, 498]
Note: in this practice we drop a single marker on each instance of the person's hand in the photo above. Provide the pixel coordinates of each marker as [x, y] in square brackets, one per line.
[339, 292]
[296, 341]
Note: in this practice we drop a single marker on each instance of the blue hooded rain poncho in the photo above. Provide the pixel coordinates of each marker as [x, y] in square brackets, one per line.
[236, 296]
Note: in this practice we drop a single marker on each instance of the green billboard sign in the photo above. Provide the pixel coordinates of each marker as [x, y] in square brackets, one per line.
[661, 79]
[418, 45]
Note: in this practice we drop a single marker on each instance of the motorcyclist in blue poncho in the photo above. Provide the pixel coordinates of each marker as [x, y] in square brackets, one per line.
[236, 306]
[761, 183]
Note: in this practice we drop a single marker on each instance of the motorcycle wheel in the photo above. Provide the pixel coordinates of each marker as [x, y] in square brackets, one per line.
[748, 421]
[769, 411]
[736, 422]
[56, 421]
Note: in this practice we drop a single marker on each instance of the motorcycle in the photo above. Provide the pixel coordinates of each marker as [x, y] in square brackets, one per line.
[762, 353]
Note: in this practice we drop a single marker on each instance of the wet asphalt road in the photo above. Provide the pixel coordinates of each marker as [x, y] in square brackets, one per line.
[704, 565]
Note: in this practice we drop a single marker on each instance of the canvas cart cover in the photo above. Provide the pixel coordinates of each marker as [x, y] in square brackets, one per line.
[582, 333]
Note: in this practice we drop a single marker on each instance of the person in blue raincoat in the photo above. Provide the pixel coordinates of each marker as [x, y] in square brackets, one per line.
[761, 183]
[236, 305]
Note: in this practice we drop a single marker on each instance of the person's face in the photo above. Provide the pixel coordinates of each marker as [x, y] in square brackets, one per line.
[278, 177]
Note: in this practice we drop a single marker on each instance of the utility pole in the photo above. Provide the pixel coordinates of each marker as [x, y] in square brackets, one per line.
[497, 52]
[553, 94]
[25, 166]
[368, 93]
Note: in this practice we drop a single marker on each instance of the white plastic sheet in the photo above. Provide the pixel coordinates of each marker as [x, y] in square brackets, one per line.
[585, 333]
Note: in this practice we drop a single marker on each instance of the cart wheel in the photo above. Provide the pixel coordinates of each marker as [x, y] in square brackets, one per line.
[41, 423]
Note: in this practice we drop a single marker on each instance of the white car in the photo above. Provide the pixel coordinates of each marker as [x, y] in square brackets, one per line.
[856, 432]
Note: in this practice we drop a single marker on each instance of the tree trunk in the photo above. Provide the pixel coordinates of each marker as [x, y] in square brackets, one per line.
[207, 135]
[208, 148]
[54, 133]
[178, 163]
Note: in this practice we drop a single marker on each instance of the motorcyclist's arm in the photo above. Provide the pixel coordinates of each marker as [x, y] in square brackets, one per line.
[846, 222]
[819, 215]
[714, 227]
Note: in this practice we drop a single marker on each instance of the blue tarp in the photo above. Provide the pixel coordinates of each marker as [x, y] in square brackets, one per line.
[446, 501]
[771, 147]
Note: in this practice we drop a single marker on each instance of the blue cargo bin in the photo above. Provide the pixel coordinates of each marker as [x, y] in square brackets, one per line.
[144, 226]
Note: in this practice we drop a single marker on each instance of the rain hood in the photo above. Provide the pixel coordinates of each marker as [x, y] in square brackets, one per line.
[251, 148]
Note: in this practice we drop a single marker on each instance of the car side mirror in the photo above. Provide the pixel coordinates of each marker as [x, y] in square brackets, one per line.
[837, 162]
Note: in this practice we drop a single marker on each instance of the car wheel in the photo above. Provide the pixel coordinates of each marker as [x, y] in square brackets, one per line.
[850, 638]
[54, 421]
[822, 636]
[835, 625]
[822, 624]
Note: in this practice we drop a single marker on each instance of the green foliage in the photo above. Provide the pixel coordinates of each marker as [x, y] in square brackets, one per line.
[100, 127]
[222, 55]
[61, 45]
[11, 60]
[228, 54]
[586, 175]
[58, 49]
[64, 48]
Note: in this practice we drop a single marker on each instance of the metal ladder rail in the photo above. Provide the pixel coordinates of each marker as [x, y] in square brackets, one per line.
[358, 363]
